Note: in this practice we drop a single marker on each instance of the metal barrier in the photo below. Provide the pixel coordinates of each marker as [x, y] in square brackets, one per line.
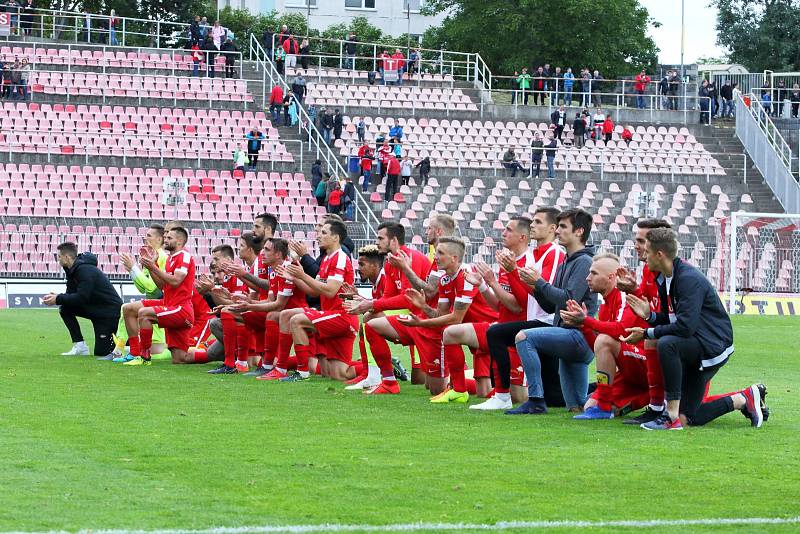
[768, 150]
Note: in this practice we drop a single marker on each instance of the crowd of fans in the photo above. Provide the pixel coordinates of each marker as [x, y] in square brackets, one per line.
[15, 77]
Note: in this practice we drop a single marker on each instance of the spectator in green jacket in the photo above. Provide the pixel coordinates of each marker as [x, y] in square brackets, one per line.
[524, 82]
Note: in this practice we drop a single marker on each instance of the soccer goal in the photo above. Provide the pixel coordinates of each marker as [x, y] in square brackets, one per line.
[756, 264]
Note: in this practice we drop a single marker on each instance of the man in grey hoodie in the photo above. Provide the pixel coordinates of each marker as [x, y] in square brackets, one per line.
[560, 343]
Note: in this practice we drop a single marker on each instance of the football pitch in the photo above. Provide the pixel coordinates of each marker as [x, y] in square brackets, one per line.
[88, 445]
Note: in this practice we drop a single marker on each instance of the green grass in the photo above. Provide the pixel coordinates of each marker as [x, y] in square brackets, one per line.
[87, 444]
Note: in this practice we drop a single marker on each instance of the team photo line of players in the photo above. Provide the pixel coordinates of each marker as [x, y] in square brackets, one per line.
[533, 327]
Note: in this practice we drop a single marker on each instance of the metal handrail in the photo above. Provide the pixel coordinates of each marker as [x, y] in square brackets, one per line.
[772, 133]
[314, 137]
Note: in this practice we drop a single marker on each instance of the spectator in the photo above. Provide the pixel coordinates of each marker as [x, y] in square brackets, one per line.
[550, 153]
[627, 134]
[510, 162]
[406, 168]
[382, 60]
[275, 103]
[240, 160]
[8, 83]
[279, 57]
[384, 154]
[414, 59]
[361, 130]
[349, 198]
[537, 150]
[726, 92]
[578, 130]
[267, 39]
[211, 55]
[424, 167]
[795, 98]
[321, 191]
[766, 103]
[27, 17]
[24, 76]
[316, 174]
[312, 117]
[736, 95]
[299, 88]
[194, 31]
[291, 49]
[350, 48]
[539, 86]
[524, 84]
[287, 102]
[112, 28]
[335, 199]
[294, 112]
[397, 147]
[197, 57]
[330, 186]
[217, 34]
[205, 27]
[569, 81]
[642, 79]
[597, 87]
[556, 87]
[366, 156]
[586, 88]
[514, 87]
[597, 123]
[713, 101]
[663, 90]
[230, 50]
[702, 97]
[283, 35]
[559, 120]
[16, 79]
[326, 121]
[399, 65]
[396, 131]
[674, 86]
[393, 179]
[338, 124]
[305, 52]
[254, 140]
[780, 96]
[608, 129]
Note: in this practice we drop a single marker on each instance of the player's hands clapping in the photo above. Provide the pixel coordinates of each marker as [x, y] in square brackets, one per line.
[204, 284]
[575, 314]
[221, 293]
[409, 320]
[415, 298]
[639, 306]
[401, 260]
[473, 277]
[127, 261]
[485, 271]
[529, 276]
[626, 280]
[298, 247]
[506, 260]
[635, 335]
[232, 268]
[293, 272]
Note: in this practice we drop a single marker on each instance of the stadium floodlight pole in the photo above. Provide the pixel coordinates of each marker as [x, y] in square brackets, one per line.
[408, 32]
[683, 37]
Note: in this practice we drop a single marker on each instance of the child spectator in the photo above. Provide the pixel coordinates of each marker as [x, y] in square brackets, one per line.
[627, 134]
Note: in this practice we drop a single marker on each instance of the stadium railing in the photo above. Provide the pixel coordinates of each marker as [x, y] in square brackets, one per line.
[313, 136]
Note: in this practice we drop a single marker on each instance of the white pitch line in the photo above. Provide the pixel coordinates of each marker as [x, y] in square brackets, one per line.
[415, 527]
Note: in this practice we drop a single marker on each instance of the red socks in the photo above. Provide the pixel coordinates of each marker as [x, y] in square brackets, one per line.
[284, 347]
[472, 386]
[454, 359]
[200, 356]
[242, 341]
[655, 379]
[362, 350]
[230, 338]
[303, 353]
[135, 346]
[146, 339]
[380, 351]
[271, 334]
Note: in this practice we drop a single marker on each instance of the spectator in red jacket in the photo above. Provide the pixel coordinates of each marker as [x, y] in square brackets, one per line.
[608, 129]
[276, 104]
[335, 199]
[291, 48]
[366, 155]
[400, 64]
[642, 79]
[393, 180]
[627, 135]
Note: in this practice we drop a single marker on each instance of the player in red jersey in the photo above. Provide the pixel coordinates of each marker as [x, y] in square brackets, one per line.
[331, 326]
[648, 290]
[174, 312]
[240, 329]
[217, 289]
[426, 341]
[390, 241]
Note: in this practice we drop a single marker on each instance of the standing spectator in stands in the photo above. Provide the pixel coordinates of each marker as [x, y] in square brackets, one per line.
[279, 57]
[311, 110]
[299, 88]
[627, 134]
[361, 130]
[713, 101]
[316, 174]
[326, 121]
[382, 60]
[240, 160]
[87, 26]
[320, 192]
[275, 103]
[578, 130]
[112, 28]
[266, 40]
[766, 103]
[393, 178]
[511, 163]
[396, 131]
[194, 31]
[663, 91]
[349, 199]
[559, 120]
[794, 96]
[406, 168]
[586, 88]
[705, 108]
[366, 156]
[292, 49]
[397, 147]
[550, 153]
[384, 153]
[283, 35]
[642, 79]
[414, 59]
[399, 65]
[211, 55]
[514, 87]
[539, 87]
[16, 78]
[726, 92]
[27, 17]
[338, 125]
[217, 33]
[674, 86]
[90, 295]
[781, 96]
[556, 86]
[350, 48]
[569, 81]
[335, 198]
[197, 57]
[24, 75]
[205, 27]
[597, 124]
[8, 84]
[608, 129]
[287, 103]
[537, 150]
[305, 51]
[254, 140]
[597, 87]
[294, 111]
[424, 167]
[331, 185]
[230, 50]
[524, 85]
[546, 74]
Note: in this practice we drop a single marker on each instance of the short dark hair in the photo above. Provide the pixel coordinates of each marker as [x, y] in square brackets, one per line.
[252, 241]
[664, 240]
[652, 224]
[394, 230]
[332, 217]
[371, 254]
[578, 218]
[68, 248]
[225, 250]
[337, 228]
[280, 245]
[174, 224]
[180, 230]
[550, 213]
[268, 219]
[523, 224]
[158, 228]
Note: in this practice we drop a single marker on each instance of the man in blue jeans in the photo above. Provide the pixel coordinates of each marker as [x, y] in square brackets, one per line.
[560, 343]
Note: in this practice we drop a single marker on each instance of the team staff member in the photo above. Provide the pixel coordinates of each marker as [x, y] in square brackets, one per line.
[89, 295]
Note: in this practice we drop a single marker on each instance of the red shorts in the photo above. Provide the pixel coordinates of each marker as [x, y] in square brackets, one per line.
[482, 358]
[177, 322]
[200, 331]
[428, 343]
[336, 331]
[256, 321]
[630, 385]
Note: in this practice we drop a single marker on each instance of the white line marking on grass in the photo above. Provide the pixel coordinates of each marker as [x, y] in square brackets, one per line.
[414, 527]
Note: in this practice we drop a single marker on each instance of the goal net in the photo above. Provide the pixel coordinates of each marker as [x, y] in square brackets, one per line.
[755, 265]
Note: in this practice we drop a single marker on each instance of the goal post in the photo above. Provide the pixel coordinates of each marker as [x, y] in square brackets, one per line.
[758, 259]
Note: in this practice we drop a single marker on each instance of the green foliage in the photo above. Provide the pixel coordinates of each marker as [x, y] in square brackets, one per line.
[608, 35]
[761, 34]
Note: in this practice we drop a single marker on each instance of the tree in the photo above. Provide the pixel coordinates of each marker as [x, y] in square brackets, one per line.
[607, 35]
[760, 34]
